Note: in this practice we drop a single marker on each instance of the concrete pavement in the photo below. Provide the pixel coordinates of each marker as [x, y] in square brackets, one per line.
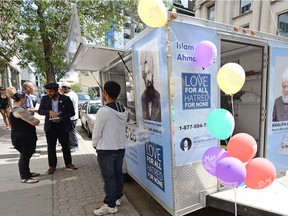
[66, 193]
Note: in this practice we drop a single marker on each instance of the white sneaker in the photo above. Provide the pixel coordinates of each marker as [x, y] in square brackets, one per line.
[118, 202]
[105, 209]
[36, 154]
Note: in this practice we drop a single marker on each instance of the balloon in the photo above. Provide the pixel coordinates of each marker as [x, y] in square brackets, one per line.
[152, 12]
[242, 146]
[205, 53]
[220, 123]
[231, 78]
[211, 158]
[230, 172]
[260, 173]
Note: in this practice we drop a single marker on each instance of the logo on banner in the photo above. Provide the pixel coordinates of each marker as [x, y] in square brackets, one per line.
[196, 89]
[154, 164]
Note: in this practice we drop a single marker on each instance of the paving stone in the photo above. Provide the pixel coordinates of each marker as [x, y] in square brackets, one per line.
[65, 193]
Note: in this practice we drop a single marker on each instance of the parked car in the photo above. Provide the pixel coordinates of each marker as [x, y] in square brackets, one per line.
[88, 113]
[82, 98]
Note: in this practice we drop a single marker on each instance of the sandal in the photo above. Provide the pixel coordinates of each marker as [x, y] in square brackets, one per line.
[35, 174]
[29, 180]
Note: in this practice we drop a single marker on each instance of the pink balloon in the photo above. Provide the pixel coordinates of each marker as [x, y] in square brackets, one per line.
[230, 172]
[242, 146]
[211, 158]
[205, 53]
[260, 173]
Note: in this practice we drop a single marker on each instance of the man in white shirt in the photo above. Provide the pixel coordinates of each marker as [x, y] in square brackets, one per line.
[73, 141]
[29, 88]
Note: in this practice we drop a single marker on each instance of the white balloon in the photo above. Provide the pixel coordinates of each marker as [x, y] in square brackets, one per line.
[152, 12]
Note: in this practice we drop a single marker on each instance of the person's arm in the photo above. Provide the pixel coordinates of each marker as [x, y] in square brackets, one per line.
[43, 109]
[10, 102]
[32, 110]
[70, 108]
[25, 115]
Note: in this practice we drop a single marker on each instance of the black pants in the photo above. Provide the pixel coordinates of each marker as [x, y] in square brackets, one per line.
[24, 160]
[57, 132]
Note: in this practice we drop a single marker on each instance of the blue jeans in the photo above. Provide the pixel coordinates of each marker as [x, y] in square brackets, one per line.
[73, 141]
[110, 164]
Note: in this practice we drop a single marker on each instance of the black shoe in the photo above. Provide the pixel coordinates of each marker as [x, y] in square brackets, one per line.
[71, 167]
[51, 170]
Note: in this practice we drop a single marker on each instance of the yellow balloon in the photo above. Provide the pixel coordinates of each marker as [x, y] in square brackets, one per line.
[231, 78]
[152, 12]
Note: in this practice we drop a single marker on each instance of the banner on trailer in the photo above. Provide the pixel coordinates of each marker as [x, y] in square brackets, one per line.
[195, 93]
[277, 113]
[149, 152]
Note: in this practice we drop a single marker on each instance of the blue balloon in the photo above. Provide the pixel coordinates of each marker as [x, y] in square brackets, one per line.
[221, 123]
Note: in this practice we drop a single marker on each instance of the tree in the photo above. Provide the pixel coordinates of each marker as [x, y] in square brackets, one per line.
[38, 29]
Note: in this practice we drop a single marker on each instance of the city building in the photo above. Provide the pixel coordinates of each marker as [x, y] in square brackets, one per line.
[10, 73]
[269, 16]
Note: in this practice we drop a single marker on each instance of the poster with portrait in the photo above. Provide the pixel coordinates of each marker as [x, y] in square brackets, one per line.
[277, 113]
[148, 155]
[195, 93]
[149, 84]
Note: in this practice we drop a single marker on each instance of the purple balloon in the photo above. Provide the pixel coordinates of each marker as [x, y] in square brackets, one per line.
[211, 158]
[231, 172]
[205, 53]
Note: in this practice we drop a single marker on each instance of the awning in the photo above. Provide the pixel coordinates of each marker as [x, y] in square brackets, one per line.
[92, 57]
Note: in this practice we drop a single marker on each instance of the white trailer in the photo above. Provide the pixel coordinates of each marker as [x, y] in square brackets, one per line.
[165, 147]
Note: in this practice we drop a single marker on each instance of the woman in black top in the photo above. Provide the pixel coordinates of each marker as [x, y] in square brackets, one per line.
[23, 135]
[5, 104]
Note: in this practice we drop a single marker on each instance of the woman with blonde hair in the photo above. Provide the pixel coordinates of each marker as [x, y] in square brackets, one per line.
[23, 134]
[5, 105]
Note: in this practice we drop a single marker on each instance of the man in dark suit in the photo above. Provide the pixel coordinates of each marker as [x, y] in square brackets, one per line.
[57, 109]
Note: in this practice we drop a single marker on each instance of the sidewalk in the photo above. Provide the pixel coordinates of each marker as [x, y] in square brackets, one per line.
[66, 193]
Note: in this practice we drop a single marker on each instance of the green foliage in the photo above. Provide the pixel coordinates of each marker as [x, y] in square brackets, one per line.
[92, 92]
[38, 29]
[76, 87]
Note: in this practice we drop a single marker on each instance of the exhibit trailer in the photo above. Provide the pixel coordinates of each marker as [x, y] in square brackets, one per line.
[169, 97]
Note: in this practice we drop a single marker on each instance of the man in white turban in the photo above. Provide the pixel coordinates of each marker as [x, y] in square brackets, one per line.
[280, 111]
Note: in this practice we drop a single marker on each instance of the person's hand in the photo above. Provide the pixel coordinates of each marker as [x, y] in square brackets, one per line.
[52, 114]
[37, 122]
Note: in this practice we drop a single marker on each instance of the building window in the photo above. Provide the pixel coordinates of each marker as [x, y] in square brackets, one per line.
[211, 12]
[283, 24]
[245, 6]
[246, 26]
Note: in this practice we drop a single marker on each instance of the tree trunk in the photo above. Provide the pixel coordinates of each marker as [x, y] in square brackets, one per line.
[50, 75]
[47, 45]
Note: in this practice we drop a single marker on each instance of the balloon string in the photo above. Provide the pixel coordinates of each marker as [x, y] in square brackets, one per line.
[232, 106]
[235, 202]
